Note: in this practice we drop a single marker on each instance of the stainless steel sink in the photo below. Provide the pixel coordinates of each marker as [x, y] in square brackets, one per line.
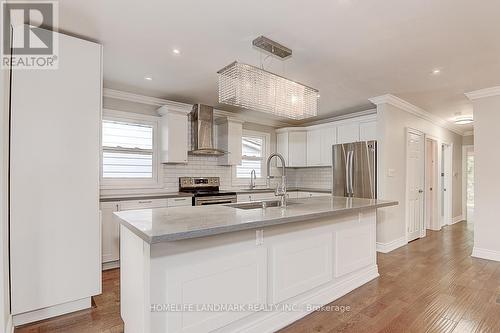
[260, 204]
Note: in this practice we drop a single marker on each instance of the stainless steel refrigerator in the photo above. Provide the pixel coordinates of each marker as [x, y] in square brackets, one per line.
[355, 169]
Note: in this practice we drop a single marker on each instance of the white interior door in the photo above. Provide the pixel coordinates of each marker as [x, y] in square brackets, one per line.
[446, 191]
[415, 184]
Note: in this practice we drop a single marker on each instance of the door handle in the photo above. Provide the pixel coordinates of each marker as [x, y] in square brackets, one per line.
[420, 191]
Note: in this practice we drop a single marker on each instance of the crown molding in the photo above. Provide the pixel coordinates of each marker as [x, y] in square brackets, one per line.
[360, 114]
[468, 133]
[482, 93]
[416, 111]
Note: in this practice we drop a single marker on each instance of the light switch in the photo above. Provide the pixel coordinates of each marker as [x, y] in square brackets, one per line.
[391, 172]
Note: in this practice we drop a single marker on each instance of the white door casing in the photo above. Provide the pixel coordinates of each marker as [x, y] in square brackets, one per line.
[415, 146]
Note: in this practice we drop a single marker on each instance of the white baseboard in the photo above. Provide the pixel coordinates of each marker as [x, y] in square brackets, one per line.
[10, 327]
[110, 265]
[486, 254]
[53, 311]
[392, 245]
[457, 219]
[274, 321]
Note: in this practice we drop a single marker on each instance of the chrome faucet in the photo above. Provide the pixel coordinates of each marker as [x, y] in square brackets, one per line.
[253, 178]
[280, 187]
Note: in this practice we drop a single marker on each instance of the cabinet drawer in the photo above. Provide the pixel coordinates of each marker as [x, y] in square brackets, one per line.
[143, 204]
[183, 201]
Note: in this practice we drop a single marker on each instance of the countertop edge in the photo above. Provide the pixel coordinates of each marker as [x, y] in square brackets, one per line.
[247, 226]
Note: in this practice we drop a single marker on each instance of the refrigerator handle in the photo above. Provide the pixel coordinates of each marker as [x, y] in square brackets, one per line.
[347, 172]
[351, 172]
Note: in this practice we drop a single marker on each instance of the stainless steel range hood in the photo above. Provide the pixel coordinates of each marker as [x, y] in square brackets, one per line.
[202, 131]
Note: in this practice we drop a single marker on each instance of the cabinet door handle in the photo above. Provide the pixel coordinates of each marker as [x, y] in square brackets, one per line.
[179, 199]
[146, 201]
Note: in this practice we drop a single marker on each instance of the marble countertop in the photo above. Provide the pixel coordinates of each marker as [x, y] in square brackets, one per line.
[177, 223]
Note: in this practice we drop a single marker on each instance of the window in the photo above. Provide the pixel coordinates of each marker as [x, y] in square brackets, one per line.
[254, 147]
[129, 156]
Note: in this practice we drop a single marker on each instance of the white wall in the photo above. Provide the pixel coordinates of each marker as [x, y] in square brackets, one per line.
[4, 268]
[487, 179]
[392, 124]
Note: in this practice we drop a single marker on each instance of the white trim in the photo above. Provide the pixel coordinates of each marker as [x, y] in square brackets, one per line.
[457, 219]
[172, 105]
[416, 111]
[485, 254]
[9, 328]
[53, 311]
[482, 93]
[123, 183]
[392, 245]
[110, 265]
[274, 321]
[136, 98]
[370, 114]
[468, 133]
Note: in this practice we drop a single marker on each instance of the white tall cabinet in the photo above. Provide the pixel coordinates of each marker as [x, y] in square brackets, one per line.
[55, 230]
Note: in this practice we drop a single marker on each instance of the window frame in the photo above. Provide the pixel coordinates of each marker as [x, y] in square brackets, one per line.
[266, 146]
[133, 183]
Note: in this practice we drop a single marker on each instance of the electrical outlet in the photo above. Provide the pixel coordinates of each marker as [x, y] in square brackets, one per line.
[259, 237]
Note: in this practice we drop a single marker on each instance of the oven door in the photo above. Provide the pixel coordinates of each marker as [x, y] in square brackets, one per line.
[216, 200]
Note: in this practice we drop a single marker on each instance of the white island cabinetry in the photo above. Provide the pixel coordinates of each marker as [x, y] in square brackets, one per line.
[312, 261]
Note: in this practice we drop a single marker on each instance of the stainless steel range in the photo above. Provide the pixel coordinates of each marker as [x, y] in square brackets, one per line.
[205, 191]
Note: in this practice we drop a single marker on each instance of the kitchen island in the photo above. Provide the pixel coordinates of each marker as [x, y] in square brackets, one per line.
[242, 267]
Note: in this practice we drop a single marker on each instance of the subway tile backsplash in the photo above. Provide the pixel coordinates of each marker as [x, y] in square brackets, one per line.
[315, 177]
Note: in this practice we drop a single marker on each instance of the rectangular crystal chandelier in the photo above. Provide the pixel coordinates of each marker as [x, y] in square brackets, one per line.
[253, 88]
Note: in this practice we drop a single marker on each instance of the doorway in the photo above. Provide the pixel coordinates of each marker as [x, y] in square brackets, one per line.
[446, 185]
[415, 171]
[431, 184]
[468, 183]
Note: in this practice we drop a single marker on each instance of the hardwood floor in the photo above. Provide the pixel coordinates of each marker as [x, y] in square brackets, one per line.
[430, 285]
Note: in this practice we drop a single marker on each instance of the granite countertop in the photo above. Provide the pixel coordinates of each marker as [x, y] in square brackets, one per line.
[177, 223]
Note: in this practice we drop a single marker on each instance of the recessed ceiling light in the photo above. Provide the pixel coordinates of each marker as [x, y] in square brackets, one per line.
[176, 51]
[148, 78]
[464, 120]
[436, 71]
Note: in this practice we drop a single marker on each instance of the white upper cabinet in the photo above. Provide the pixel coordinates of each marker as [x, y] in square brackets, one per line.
[297, 149]
[314, 147]
[229, 133]
[348, 132]
[328, 139]
[319, 145]
[368, 130]
[282, 146]
[291, 144]
[174, 132]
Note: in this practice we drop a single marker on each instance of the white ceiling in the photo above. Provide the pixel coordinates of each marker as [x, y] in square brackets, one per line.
[350, 50]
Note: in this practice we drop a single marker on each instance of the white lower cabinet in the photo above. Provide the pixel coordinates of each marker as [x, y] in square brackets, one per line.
[302, 262]
[255, 196]
[237, 275]
[110, 239]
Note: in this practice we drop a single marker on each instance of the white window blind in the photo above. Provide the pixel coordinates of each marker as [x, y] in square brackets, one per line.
[252, 156]
[127, 150]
